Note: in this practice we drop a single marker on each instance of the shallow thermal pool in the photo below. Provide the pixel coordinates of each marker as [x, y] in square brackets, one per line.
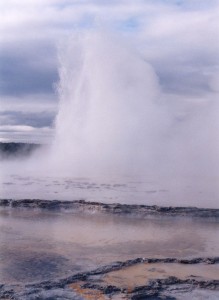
[37, 245]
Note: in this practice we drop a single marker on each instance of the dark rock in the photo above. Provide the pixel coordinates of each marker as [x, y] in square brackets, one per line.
[111, 289]
[142, 211]
[10, 150]
[155, 289]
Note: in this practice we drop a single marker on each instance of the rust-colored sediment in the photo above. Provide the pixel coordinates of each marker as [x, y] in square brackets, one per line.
[141, 274]
[89, 294]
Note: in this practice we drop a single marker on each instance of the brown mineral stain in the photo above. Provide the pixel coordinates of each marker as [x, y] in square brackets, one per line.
[141, 274]
[90, 294]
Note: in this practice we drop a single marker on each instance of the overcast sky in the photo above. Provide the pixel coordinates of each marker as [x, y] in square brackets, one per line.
[179, 38]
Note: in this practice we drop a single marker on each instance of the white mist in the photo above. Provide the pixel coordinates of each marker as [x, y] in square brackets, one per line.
[110, 116]
[116, 125]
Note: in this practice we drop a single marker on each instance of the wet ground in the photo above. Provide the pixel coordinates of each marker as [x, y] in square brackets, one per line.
[125, 190]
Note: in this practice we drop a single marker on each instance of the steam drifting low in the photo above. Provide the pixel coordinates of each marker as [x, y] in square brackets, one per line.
[114, 117]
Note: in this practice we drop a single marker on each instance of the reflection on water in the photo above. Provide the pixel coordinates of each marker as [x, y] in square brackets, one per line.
[40, 245]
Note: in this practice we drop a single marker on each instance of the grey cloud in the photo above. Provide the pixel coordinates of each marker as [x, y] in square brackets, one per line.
[39, 120]
[173, 30]
[27, 69]
[183, 82]
[179, 38]
[179, 78]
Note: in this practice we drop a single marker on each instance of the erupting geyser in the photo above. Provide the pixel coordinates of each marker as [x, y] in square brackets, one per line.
[115, 120]
[109, 116]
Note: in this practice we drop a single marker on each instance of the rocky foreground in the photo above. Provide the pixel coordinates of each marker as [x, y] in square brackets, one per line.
[91, 285]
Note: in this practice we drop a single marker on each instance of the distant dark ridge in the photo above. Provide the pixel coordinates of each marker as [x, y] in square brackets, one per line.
[10, 150]
[114, 208]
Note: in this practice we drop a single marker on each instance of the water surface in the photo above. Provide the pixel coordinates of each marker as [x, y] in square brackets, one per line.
[39, 245]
